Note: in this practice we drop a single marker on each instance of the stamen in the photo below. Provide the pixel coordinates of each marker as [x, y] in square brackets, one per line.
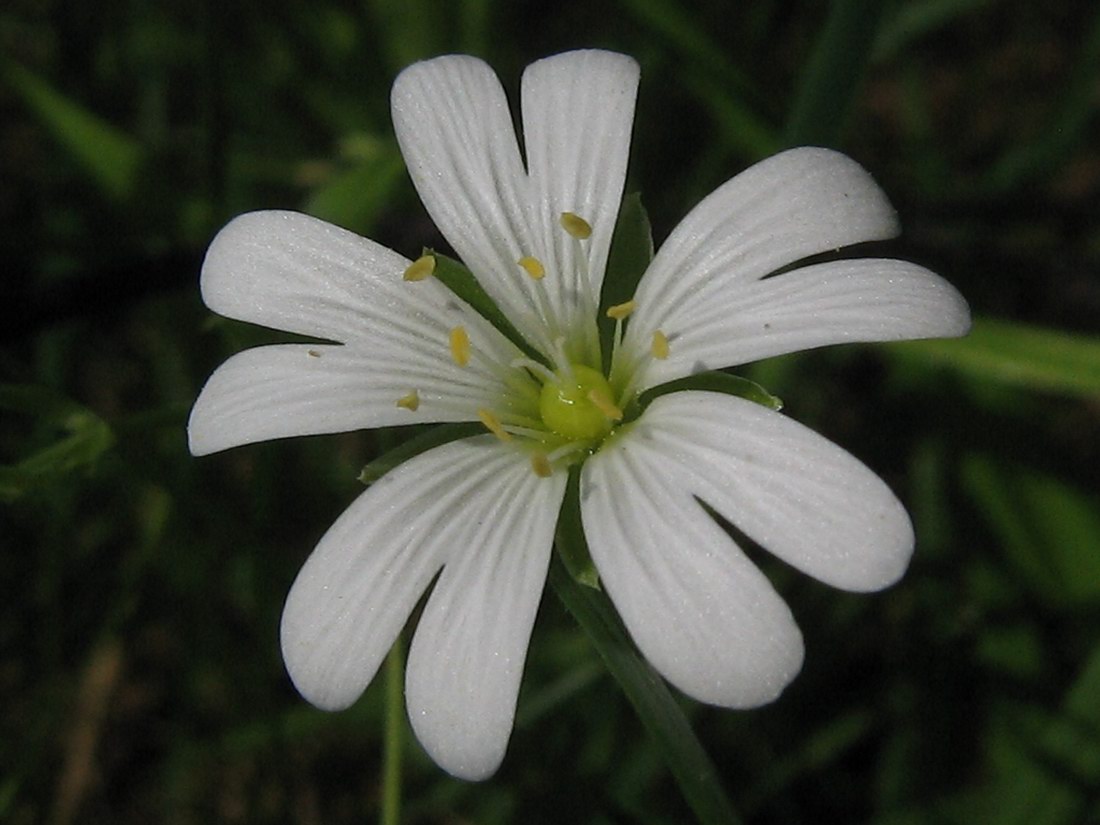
[420, 269]
[659, 348]
[541, 465]
[460, 346]
[621, 311]
[533, 267]
[410, 402]
[576, 226]
[566, 449]
[493, 425]
[561, 360]
[535, 367]
[604, 404]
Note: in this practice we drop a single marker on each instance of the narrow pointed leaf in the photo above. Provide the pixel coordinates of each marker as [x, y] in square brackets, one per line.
[107, 154]
[654, 703]
[1015, 355]
[835, 69]
[433, 437]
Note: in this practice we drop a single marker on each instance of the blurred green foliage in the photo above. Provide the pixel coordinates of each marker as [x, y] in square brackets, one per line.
[141, 588]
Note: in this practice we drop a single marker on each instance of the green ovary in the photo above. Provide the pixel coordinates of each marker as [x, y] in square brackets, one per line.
[567, 407]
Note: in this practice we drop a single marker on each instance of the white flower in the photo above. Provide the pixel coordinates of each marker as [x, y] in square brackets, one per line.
[483, 510]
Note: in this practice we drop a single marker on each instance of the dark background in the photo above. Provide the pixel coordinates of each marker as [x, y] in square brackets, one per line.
[140, 589]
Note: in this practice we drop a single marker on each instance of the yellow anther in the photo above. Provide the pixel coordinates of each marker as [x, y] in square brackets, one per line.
[533, 267]
[460, 346]
[541, 465]
[493, 425]
[659, 348]
[604, 404]
[575, 225]
[621, 311]
[421, 268]
[410, 402]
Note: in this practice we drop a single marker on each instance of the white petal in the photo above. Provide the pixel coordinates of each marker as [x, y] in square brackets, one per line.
[359, 586]
[829, 303]
[697, 608]
[308, 389]
[578, 112]
[455, 131]
[467, 656]
[792, 205]
[289, 271]
[795, 493]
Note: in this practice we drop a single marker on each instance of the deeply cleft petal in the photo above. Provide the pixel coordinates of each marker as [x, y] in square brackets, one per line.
[708, 285]
[287, 390]
[453, 123]
[578, 112]
[795, 493]
[795, 204]
[467, 657]
[296, 273]
[830, 303]
[695, 605]
[455, 130]
[359, 586]
[291, 272]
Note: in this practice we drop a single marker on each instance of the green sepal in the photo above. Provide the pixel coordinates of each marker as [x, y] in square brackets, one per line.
[712, 381]
[569, 535]
[436, 436]
[629, 257]
[462, 282]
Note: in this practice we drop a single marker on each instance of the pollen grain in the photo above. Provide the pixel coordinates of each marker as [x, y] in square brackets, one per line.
[409, 401]
[460, 346]
[420, 269]
[493, 425]
[576, 226]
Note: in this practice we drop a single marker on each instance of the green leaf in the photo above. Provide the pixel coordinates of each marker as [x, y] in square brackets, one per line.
[435, 436]
[74, 439]
[919, 18]
[705, 69]
[653, 702]
[110, 156]
[1048, 530]
[709, 382]
[1064, 130]
[1048, 765]
[462, 283]
[1015, 355]
[629, 257]
[355, 197]
[832, 76]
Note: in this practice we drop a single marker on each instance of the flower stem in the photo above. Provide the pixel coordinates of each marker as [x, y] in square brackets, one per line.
[394, 736]
[653, 702]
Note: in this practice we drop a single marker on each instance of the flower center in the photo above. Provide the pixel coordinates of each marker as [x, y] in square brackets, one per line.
[556, 407]
[578, 404]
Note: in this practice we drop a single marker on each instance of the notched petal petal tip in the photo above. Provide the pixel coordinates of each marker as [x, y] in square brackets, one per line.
[798, 495]
[702, 614]
[467, 655]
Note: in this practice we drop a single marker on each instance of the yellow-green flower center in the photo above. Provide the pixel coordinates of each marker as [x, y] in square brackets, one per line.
[578, 405]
